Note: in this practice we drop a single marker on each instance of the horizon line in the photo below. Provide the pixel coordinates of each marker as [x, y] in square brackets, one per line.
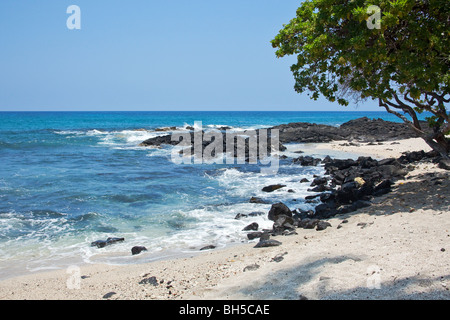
[362, 111]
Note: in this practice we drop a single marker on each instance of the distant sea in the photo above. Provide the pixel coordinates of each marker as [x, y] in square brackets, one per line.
[70, 178]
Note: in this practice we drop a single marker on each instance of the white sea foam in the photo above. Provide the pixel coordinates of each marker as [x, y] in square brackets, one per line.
[120, 139]
[95, 132]
[70, 132]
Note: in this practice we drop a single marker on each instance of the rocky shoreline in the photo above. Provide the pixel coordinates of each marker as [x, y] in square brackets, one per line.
[348, 185]
[358, 130]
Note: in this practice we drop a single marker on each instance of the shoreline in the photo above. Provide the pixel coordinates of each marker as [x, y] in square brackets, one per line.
[379, 150]
[374, 248]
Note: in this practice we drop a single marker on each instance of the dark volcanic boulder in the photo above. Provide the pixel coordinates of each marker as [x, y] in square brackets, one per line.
[367, 162]
[107, 242]
[279, 209]
[307, 161]
[258, 200]
[251, 226]
[267, 243]
[246, 215]
[254, 235]
[308, 223]
[137, 250]
[208, 247]
[339, 164]
[322, 225]
[273, 187]
[319, 181]
[158, 141]
[326, 210]
[283, 225]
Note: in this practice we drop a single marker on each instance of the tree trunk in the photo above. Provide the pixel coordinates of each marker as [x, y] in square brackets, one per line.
[437, 141]
[442, 147]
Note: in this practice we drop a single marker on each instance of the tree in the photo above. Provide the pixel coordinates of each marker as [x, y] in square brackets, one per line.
[401, 60]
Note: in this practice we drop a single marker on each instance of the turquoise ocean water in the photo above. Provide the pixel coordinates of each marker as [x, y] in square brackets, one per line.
[70, 178]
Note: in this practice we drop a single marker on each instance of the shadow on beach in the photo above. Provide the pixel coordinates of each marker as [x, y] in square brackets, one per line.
[425, 191]
[344, 276]
[428, 191]
[288, 283]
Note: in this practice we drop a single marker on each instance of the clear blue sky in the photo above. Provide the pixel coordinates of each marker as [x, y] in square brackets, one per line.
[148, 55]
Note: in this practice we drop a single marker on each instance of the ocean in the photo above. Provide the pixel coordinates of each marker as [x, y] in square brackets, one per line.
[70, 178]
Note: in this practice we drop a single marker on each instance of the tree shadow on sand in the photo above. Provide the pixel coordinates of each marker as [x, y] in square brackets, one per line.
[315, 277]
[287, 284]
[428, 191]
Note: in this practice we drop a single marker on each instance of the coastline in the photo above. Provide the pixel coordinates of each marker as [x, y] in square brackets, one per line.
[395, 249]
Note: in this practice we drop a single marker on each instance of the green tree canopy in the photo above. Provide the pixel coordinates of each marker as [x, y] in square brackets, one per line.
[346, 54]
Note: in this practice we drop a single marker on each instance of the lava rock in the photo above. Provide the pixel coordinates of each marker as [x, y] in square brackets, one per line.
[308, 223]
[306, 161]
[254, 235]
[151, 280]
[283, 225]
[137, 250]
[258, 200]
[322, 225]
[279, 209]
[267, 243]
[240, 216]
[273, 187]
[251, 226]
[325, 210]
[108, 295]
[107, 242]
[208, 247]
[326, 197]
[251, 267]
[319, 181]
[279, 257]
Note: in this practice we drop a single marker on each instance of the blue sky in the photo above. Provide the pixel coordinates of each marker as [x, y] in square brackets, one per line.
[148, 55]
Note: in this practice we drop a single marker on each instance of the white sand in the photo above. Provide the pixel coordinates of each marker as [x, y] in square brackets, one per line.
[388, 149]
[396, 249]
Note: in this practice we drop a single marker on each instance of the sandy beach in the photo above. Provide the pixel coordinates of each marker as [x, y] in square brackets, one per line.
[398, 248]
[377, 150]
